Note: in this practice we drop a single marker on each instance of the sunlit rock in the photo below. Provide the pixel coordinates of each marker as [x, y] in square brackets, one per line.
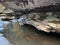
[8, 11]
[55, 25]
[1, 8]
[49, 23]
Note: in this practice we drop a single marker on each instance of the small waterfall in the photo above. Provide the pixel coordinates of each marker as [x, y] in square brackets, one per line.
[21, 20]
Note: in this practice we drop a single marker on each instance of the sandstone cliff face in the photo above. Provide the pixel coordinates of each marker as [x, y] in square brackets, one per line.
[27, 4]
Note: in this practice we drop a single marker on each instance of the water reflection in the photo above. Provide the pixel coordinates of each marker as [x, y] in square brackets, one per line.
[1, 25]
[3, 40]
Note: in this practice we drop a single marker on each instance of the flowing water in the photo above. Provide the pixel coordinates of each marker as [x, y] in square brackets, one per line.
[3, 40]
[14, 34]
